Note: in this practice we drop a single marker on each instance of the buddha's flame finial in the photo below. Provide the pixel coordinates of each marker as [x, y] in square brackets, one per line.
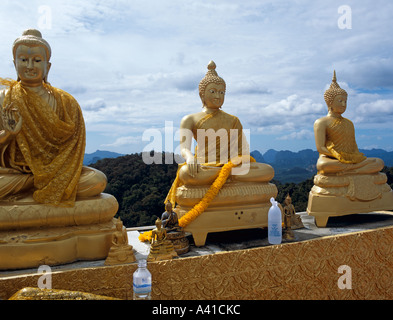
[334, 76]
[211, 65]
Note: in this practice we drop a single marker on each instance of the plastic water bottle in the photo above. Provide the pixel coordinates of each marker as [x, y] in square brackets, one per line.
[274, 229]
[142, 282]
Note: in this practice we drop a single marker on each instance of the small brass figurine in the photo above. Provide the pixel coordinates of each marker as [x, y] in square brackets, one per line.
[120, 252]
[291, 220]
[161, 248]
[169, 219]
[175, 233]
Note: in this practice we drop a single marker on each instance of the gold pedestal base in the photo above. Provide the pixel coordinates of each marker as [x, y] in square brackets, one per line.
[34, 234]
[56, 294]
[179, 240]
[322, 207]
[238, 205]
[225, 219]
[338, 195]
[55, 246]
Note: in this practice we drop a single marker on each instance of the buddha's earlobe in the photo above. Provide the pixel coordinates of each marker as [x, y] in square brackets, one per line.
[47, 71]
[18, 79]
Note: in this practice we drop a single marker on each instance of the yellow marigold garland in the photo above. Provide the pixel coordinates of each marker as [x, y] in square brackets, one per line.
[202, 205]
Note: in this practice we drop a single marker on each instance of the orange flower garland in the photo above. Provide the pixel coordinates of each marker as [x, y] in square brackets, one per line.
[202, 205]
[214, 189]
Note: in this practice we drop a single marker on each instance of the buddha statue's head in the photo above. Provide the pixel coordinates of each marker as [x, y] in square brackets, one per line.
[119, 224]
[288, 200]
[31, 57]
[168, 206]
[212, 88]
[158, 223]
[335, 95]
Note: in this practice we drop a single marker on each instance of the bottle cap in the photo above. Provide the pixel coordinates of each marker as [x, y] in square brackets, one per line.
[273, 202]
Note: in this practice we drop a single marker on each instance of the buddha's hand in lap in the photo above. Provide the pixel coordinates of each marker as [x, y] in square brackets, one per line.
[192, 166]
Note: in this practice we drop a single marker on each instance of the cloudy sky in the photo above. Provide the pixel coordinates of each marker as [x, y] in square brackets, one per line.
[134, 65]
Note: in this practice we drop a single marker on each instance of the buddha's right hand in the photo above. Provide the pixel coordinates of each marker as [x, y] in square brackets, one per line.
[12, 120]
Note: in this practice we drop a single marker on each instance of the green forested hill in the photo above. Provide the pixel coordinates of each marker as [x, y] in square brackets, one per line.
[141, 189]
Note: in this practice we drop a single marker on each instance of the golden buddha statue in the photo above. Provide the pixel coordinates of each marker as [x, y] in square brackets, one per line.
[175, 233]
[161, 248]
[42, 137]
[120, 251]
[245, 191]
[291, 220]
[169, 219]
[198, 169]
[43, 183]
[347, 181]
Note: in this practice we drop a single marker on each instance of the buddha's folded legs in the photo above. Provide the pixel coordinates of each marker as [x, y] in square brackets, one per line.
[326, 165]
[92, 182]
[258, 172]
[252, 172]
[13, 182]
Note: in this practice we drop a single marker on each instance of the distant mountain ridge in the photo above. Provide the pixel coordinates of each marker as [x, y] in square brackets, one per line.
[288, 158]
[289, 166]
[298, 166]
[98, 155]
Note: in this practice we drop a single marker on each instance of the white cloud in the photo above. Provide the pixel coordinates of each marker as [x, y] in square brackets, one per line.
[134, 64]
[298, 135]
[376, 108]
[123, 141]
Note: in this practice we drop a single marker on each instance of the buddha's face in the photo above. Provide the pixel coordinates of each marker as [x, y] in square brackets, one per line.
[214, 95]
[339, 104]
[31, 64]
[168, 207]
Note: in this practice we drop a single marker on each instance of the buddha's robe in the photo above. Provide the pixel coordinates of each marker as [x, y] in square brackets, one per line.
[170, 220]
[232, 144]
[340, 141]
[48, 151]
[220, 137]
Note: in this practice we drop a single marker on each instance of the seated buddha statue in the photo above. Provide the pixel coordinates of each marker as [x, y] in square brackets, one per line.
[346, 181]
[169, 219]
[210, 123]
[120, 251]
[335, 138]
[220, 141]
[161, 248]
[175, 233]
[43, 183]
[42, 137]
